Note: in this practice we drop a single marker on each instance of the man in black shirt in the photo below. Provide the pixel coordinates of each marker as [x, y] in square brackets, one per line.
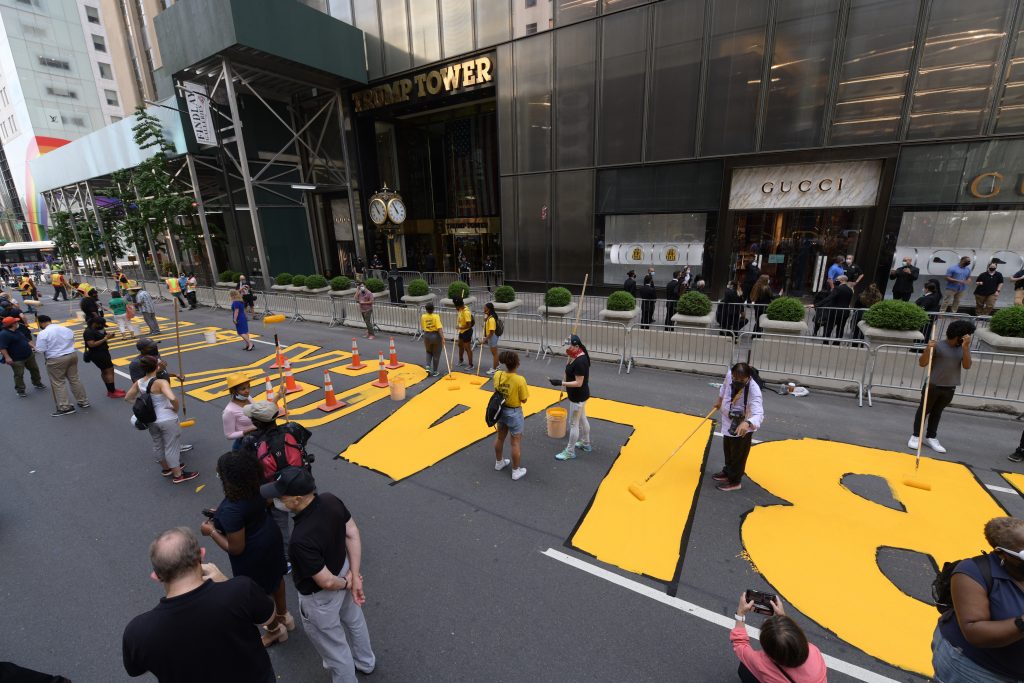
[207, 626]
[990, 284]
[630, 284]
[326, 574]
[1018, 287]
[90, 305]
[838, 300]
[648, 298]
[854, 273]
[577, 386]
[905, 276]
[95, 340]
[671, 297]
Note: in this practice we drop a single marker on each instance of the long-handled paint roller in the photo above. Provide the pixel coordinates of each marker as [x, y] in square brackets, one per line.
[638, 489]
[447, 360]
[274, 320]
[478, 380]
[910, 481]
[187, 422]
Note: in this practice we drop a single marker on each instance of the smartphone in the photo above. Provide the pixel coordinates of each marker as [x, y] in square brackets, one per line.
[209, 512]
[762, 601]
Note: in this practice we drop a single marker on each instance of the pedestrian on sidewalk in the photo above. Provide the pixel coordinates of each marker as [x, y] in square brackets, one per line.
[577, 386]
[364, 297]
[205, 629]
[90, 305]
[165, 431]
[97, 352]
[786, 656]
[57, 344]
[248, 298]
[648, 300]
[18, 353]
[119, 309]
[190, 291]
[493, 328]
[464, 323]
[236, 424]
[958, 276]
[60, 285]
[988, 289]
[327, 554]
[242, 527]
[433, 338]
[512, 386]
[672, 289]
[630, 284]
[905, 276]
[730, 313]
[760, 296]
[952, 355]
[837, 308]
[144, 304]
[238, 318]
[742, 407]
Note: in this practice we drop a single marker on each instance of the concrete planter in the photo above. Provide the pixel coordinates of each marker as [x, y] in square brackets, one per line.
[378, 295]
[318, 290]
[694, 320]
[227, 285]
[782, 326]
[281, 288]
[877, 335]
[418, 300]
[344, 292]
[509, 307]
[557, 311]
[469, 300]
[619, 316]
[294, 288]
[999, 342]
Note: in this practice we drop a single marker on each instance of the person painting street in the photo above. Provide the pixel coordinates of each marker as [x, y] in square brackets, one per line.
[577, 386]
[165, 431]
[952, 355]
[238, 318]
[742, 408]
[512, 386]
[18, 353]
[433, 338]
[958, 276]
[97, 352]
[57, 344]
[60, 285]
[236, 424]
[144, 305]
[364, 297]
[464, 324]
[491, 335]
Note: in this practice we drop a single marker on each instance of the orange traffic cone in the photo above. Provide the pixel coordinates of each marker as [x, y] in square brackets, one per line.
[272, 397]
[330, 402]
[290, 387]
[382, 375]
[393, 363]
[278, 360]
[356, 364]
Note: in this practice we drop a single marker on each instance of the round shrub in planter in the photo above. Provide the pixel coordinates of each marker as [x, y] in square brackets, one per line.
[340, 283]
[458, 288]
[695, 304]
[785, 315]
[299, 281]
[1005, 332]
[621, 307]
[557, 302]
[504, 295]
[375, 285]
[228, 276]
[418, 287]
[316, 282]
[893, 321]
[283, 279]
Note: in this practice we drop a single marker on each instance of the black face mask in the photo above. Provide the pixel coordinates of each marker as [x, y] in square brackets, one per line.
[738, 387]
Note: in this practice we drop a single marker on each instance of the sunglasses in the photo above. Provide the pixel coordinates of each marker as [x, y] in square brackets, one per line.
[1019, 554]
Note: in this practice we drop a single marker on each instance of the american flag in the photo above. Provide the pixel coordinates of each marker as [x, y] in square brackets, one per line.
[472, 166]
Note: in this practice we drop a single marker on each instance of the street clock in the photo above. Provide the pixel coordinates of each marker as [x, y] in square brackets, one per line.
[387, 209]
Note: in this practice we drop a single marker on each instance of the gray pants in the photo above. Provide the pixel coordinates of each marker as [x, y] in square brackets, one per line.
[432, 344]
[335, 625]
[167, 442]
[368, 321]
[151, 323]
[579, 426]
[283, 520]
[65, 369]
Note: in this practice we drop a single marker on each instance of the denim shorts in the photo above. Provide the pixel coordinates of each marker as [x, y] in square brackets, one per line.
[492, 341]
[513, 419]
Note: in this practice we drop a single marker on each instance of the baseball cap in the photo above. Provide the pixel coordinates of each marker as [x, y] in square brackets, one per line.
[264, 411]
[9, 320]
[146, 343]
[291, 481]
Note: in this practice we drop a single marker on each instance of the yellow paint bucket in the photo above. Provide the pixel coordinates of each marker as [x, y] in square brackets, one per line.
[210, 337]
[556, 422]
[397, 389]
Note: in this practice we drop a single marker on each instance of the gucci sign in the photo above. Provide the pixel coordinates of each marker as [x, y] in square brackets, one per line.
[798, 186]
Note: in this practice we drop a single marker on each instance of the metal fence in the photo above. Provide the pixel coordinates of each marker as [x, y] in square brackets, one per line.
[679, 347]
[604, 340]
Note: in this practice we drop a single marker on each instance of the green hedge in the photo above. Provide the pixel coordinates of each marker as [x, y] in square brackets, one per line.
[298, 281]
[375, 285]
[340, 283]
[458, 288]
[621, 301]
[786, 309]
[504, 295]
[316, 282]
[557, 297]
[896, 315]
[227, 276]
[283, 279]
[418, 287]
[693, 303]
[1008, 322]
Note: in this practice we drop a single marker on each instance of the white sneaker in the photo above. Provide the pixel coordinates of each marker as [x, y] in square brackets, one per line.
[934, 445]
[499, 465]
[491, 371]
[519, 473]
[913, 443]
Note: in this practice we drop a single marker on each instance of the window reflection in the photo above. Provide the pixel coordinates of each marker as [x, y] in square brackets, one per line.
[531, 17]
[426, 46]
[575, 57]
[492, 22]
[672, 104]
[624, 39]
[568, 11]
[396, 35]
[457, 26]
[533, 102]
[1011, 105]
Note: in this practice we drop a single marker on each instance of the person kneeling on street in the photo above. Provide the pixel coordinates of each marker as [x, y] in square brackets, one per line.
[787, 657]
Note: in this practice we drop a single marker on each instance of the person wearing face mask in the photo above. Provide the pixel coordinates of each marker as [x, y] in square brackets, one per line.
[742, 408]
[990, 284]
[236, 424]
[905, 276]
[958, 276]
[982, 637]
[577, 386]
[853, 272]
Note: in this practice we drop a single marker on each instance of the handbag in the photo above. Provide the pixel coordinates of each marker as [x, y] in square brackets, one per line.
[130, 312]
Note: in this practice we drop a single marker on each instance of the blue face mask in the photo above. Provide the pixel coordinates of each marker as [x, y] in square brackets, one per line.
[239, 397]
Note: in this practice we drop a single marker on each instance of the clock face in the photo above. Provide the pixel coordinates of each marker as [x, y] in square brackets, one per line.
[378, 211]
[396, 210]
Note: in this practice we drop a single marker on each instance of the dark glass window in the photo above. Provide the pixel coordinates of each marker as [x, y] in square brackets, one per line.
[734, 76]
[575, 55]
[509, 243]
[426, 44]
[534, 233]
[503, 76]
[574, 216]
[533, 103]
[623, 68]
[956, 69]
[457, 26]
[396, 36]
[568, 11]
[672, 104]
[492, 22]
[1011, 105]
[801, 55]
[876, 62]
[366, 21]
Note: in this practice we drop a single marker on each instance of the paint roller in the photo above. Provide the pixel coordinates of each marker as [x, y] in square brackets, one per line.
[448, 361]
[274, 320]
[638, 489]
[187, 422]
[478, 380]
[910, 481]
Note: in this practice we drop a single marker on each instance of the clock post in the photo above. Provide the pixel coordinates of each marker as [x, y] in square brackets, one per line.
[387, 211]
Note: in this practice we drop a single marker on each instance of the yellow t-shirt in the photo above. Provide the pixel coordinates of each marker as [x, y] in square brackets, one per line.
[430, 322]
[512, 387]
[465, 319]
[490, 326]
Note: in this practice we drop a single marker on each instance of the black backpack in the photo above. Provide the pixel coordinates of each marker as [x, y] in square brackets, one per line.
[499, 327]
[143, 408]
[494, 406]
[942, 586]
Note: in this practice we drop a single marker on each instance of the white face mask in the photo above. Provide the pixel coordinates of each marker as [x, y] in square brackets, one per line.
[239, 397]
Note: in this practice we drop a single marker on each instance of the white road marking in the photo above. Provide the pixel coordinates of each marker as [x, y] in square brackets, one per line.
[1000, 489]
[834, 664]
[122, 373]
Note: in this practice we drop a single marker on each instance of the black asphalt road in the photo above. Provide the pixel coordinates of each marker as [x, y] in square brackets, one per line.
[457, 585]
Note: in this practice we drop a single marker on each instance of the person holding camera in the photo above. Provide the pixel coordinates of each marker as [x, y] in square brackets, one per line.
[742, 408]
[787, 656]
[951, 355]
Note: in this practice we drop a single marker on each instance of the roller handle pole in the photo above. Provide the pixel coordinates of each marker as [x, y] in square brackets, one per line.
[681, 444]
[924, 401]
[181, 370]
[280, 374]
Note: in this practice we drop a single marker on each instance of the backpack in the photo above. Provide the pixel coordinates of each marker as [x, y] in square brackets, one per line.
[499, 327]
[942, 586]
[143, 408]
[494, 406]
[282, 447]
[472, 320]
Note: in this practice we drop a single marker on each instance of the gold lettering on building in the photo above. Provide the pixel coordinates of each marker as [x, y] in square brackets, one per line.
[444, 80]
[976, 190]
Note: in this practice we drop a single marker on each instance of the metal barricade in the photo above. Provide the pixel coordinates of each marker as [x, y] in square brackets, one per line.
[996, 376]
[277, 302]
[604, 340]
[895, 366]
[813, 357]
[316, 308]
[205, 296]
[523, 331]
[386, 317]
[679, 346]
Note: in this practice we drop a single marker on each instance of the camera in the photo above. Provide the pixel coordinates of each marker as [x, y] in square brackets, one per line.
[762, 601]
[735, 418]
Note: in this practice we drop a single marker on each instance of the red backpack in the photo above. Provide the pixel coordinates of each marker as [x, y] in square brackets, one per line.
[282, 447]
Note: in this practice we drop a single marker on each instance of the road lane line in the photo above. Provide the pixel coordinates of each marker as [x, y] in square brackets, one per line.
[1000, 489]
[834, 664]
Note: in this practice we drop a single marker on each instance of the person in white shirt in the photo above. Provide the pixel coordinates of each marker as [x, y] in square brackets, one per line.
[57, 344]
[742, 408]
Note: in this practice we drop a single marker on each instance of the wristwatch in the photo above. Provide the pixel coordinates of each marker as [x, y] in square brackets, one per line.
[743, 618]
[1019, 623]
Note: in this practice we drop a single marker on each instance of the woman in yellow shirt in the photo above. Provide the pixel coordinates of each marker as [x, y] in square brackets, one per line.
[465, 326]
[491, 335]
[512, 386]
[433, 338]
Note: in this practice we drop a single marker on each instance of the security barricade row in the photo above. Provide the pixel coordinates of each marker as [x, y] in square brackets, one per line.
[679, 347]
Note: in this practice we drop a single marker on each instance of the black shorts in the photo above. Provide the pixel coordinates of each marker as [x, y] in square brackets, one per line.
[466, 336]
[101, 359]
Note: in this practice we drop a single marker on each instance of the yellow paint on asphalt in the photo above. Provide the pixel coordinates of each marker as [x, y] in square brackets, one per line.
[1016, 479]
[303, 357]
[357, 398]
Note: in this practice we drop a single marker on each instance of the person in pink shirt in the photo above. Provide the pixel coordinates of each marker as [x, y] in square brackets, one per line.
[787, 657]
[236, 424]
